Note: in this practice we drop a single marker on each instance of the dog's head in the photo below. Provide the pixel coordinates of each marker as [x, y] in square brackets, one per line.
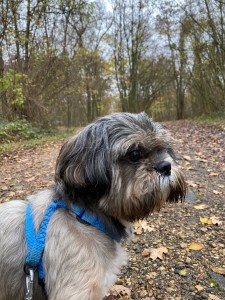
[122, 164]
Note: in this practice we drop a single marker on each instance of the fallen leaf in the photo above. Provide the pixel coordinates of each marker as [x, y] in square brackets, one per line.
[201, 206]
[138, 230]
[158, 252]
[218, 270]
[194, 246]
[199, 287]
[206, 220]
[191, 183]
[216, 221]
[187, 157]
[213, 174]
[217, 192]
[141, 226]
[213, 297]
[119, 290]
[11, 194]
[183, 272]
[146, 227]
[203, 160]
[30, 179]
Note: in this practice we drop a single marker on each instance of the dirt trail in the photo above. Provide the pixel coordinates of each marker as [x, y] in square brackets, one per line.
[170, 269]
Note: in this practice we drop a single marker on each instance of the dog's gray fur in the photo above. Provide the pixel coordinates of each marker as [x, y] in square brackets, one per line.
[98, 170]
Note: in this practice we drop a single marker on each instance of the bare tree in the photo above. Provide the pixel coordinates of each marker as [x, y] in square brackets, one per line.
[131, 36]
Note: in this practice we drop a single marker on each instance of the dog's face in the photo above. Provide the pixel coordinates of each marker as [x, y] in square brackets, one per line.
[123, 164]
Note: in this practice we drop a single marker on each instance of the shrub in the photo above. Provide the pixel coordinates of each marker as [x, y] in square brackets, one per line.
[17, 130]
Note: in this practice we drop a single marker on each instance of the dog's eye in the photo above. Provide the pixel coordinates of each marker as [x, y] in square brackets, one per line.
[135, 155]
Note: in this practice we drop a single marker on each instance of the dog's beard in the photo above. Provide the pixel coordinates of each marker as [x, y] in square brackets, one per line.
[99, 170]
[142, 194]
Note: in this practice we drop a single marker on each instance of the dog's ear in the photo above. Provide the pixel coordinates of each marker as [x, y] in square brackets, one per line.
[83, 166]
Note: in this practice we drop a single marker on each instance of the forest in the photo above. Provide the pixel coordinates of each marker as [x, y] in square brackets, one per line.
[64, 63]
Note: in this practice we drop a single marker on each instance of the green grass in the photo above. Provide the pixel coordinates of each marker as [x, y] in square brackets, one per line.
[12, 147]
[217, 118]
[18, 135]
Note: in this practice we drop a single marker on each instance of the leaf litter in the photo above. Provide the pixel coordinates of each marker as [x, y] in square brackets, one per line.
[178, 273]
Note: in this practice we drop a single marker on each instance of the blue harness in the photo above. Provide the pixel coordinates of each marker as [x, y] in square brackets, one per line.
[36, 242]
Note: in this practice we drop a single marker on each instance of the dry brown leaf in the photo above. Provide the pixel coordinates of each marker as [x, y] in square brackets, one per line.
[217, 192]
[218, 270]
[213, 297]
[142, 226]
[11, 194]
[191, 183]
[146, 227]
[187, 157]
[199, 287]
[138, 230]
[203, 160]
[158, 252]
[119, 290]
[30, 179]
[216, 221]
[195, 246]
[213, 174]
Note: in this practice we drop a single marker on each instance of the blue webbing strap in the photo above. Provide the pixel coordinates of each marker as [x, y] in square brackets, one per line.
[95, 221]
[36, 242]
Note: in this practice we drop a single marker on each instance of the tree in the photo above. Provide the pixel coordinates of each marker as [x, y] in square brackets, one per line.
[131, 32]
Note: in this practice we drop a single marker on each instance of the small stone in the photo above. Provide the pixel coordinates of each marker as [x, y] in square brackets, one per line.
[152, 274]
[119, 281]
[143, 294]
[170, 289]
[188, 260]
[161, 268]
[145, 252]
[183, 245]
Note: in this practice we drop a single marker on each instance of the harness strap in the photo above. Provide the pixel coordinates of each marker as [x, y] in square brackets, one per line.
[95, 221]
[36, 241]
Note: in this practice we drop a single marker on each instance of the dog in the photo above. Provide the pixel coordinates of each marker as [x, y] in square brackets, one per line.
[116, 170]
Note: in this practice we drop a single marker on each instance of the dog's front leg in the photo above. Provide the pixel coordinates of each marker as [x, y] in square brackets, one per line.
[75, 260]
[77, 285]
[80, 293]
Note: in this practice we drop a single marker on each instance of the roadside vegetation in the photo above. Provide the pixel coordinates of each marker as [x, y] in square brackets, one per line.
[19, 135]
[217, 118]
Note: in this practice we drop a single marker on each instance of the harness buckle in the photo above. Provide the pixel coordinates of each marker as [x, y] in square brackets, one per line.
[29, 284]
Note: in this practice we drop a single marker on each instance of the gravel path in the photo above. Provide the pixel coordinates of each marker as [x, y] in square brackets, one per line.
[176, 254]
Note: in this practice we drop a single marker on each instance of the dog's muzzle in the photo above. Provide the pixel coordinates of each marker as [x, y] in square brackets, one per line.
[163, 168]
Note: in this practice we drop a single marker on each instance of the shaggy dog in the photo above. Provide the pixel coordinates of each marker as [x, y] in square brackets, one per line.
[115, 171]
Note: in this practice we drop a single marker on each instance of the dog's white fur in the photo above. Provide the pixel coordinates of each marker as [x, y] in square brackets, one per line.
[99, 171]
[83, 266]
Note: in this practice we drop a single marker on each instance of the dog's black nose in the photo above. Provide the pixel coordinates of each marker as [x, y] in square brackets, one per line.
[163, 167]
